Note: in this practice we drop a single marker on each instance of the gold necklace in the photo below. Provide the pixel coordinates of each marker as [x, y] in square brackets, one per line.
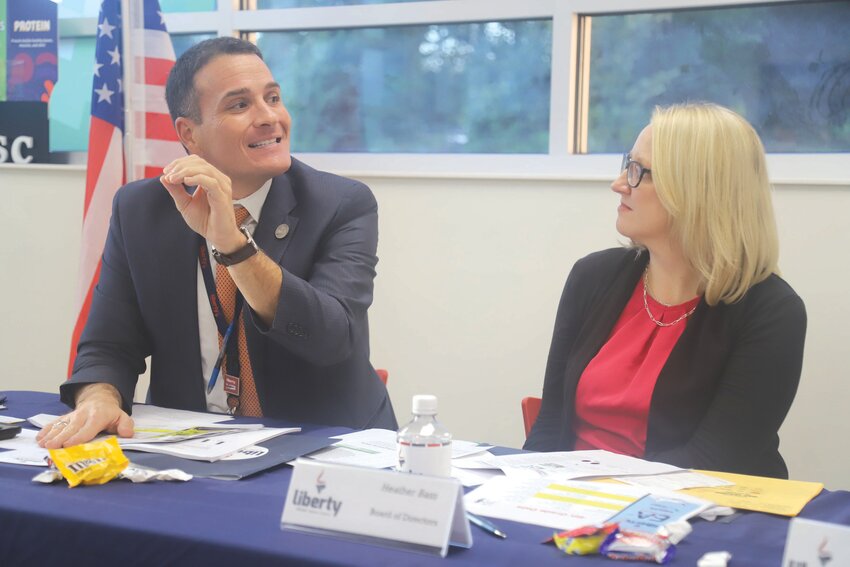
[646, 305]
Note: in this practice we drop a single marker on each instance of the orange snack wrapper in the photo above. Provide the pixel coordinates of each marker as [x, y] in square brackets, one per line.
[90, 463]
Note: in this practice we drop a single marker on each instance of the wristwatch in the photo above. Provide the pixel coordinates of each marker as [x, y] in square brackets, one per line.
[240, 255]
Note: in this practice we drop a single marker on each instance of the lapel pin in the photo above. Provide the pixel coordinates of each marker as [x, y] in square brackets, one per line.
[281, 231]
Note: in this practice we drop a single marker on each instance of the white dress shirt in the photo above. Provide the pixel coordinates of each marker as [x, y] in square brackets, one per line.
[207, 329]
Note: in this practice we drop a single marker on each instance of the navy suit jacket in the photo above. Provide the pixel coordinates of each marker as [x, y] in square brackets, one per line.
[311, 365]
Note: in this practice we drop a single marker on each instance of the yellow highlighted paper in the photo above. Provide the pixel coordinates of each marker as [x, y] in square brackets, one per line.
[757, 493]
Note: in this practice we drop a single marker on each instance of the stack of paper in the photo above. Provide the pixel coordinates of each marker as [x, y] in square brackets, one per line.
[573, 504]
[376, 448]
[567, 465]
[187, 434]
[23, 450]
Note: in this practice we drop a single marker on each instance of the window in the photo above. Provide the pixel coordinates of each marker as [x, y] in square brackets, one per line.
[442, 88]
[552, 88]
[786, 68]
[70, 103]
[183, 41]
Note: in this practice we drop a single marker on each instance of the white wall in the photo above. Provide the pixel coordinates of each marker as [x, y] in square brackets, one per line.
[469, 278]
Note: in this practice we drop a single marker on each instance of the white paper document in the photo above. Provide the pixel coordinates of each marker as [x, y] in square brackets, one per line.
[566, 465]
[24, 450]
[29, 457]
[376, 449]
[475, 469]
[187, 434]
[145, 416]
[552, 504]
[474, 477]
[9, 420]
[372, 448]
[167, 433]
[41, 419]
[212, 448]
[23, 440]
[480, 461]
[675, 481]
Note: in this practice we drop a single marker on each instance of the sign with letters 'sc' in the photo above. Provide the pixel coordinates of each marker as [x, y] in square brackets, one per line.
[383, 507]
[24, 132]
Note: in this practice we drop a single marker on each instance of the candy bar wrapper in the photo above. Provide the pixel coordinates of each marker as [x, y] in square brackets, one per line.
[583, 541]
[635, 546]
[90, 463]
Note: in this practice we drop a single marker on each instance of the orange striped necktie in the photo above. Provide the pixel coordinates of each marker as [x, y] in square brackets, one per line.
[247, 403]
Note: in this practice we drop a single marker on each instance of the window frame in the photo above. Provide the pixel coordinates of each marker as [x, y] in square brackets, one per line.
[559, 163]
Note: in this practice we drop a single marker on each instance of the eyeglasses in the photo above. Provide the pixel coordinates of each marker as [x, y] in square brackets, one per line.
[634, 171]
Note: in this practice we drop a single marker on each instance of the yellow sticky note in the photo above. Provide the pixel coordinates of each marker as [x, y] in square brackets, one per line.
[758, 493]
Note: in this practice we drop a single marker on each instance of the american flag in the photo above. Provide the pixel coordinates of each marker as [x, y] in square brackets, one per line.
[151, 142]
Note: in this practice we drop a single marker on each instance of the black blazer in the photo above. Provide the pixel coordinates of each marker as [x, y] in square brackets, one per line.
[311, 366]
[723, 392]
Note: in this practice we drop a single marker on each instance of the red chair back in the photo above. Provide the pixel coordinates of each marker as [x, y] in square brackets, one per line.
[530, 409]
[383, 374]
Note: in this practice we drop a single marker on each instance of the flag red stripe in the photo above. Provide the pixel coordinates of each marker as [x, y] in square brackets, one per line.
[156, 71]
[82, 317]
[100, 134]
[152, 171]
[104, 176]
[159, 127]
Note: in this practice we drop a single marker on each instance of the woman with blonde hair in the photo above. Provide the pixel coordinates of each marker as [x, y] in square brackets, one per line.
[685, 347]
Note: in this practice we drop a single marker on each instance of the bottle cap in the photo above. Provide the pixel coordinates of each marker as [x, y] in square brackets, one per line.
[425, 405]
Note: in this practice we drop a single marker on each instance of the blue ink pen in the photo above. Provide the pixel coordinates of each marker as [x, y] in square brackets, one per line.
[486, 525]
[220, 357]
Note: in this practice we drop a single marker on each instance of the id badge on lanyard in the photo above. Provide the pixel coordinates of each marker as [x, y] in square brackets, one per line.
[227, 331]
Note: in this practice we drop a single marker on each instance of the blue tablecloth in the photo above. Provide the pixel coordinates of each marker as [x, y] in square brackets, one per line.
[232, 523]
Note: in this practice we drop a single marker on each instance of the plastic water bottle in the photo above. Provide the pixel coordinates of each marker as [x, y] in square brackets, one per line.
[425, 446]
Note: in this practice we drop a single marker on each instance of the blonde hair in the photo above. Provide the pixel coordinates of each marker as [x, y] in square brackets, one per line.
[709, 170]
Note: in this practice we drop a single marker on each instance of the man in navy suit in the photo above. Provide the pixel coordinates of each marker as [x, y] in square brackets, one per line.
[303, 259]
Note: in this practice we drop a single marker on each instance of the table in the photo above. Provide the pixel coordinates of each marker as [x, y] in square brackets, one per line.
[231, 523]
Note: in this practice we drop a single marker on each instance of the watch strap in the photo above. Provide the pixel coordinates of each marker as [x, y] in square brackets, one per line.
[240, 255]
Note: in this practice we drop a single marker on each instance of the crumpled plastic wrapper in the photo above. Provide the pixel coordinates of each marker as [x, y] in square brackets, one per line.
[675, 531]
[637, 546]
[99, 462]
[583, 541]
[715, 559]
[133, 473]
[714, 512]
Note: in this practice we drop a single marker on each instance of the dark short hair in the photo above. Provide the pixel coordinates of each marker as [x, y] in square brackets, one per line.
[180, 87]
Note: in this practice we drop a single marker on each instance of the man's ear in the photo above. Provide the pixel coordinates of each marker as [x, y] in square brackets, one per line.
[186, 132]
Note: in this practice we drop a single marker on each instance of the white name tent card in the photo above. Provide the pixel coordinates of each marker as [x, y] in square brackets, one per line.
[422, 513]
[812, 543]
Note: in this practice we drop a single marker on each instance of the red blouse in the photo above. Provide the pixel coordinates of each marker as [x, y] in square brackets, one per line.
[615, 390]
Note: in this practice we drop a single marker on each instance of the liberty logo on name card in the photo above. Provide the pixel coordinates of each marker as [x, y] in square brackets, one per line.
[315, 503]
